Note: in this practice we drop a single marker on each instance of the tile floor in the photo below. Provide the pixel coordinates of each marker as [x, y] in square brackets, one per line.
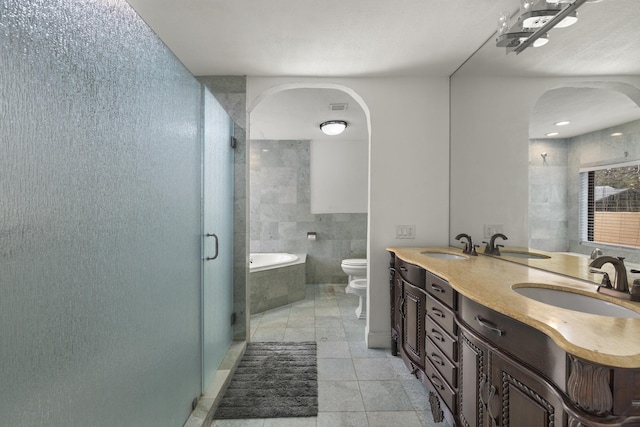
[358, 386]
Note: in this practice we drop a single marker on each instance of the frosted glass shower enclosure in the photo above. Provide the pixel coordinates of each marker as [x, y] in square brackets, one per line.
[217, 228]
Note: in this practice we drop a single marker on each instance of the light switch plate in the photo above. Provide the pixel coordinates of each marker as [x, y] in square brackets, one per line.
[405, 231]
[491, 229]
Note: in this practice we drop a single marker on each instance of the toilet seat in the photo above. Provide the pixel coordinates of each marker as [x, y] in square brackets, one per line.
[355, 262]
[358, 284]
[355, 268]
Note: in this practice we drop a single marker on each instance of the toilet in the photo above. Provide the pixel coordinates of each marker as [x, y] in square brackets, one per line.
[356, 269]
[359, 287]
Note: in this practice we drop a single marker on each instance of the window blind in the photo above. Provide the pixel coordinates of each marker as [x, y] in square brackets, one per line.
[610, 204]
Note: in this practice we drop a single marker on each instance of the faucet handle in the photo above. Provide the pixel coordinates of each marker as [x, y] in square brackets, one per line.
[606, 282]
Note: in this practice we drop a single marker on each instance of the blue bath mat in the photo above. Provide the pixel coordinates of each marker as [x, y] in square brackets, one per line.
[273, 380]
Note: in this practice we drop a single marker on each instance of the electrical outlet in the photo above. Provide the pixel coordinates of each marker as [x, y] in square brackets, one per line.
[491, 229]
[405, 231]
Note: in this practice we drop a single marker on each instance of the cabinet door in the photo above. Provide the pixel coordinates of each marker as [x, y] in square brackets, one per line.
[396, 312]
[473, 381]
[522, 398]
[413, 313]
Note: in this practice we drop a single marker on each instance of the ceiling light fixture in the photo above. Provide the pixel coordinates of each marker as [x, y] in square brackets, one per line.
[531, 24]
[552, 134]
[617, 134]
[562, 123]
[333, 127]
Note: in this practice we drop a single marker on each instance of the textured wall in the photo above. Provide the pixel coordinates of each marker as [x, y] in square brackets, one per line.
[99, 219]
[281, 215]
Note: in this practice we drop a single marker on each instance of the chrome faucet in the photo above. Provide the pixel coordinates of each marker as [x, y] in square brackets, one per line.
[596, 253]
[492, 248]
[469, 247]
[620, 283]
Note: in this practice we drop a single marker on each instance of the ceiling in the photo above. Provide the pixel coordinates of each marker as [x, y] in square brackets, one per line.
[322, 38]
[375, 38]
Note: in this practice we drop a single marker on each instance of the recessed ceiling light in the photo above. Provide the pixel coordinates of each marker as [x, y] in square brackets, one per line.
[617, 134]
[562, 123]
[552, 134]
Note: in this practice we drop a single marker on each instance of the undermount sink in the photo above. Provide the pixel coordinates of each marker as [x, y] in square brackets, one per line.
[574, 301]
[518, 254]
[443, 255]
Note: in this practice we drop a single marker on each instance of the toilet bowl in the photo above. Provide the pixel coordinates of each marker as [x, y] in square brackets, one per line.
[355, 268]
[359, 287]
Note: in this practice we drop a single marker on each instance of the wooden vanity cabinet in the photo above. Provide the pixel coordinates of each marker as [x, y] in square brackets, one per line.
[496, 390]
[409, 304]
[395, 299]
[486, 369]
[441, 364]
[424, 331]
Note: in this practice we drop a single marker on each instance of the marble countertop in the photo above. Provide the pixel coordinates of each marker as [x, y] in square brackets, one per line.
[489, 281]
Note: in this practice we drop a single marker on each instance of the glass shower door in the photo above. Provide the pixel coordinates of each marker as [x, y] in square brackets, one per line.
[217, 227]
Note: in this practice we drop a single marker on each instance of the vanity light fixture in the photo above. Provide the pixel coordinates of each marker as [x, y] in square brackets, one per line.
[562, 123]
[531, 24]
[333, 127]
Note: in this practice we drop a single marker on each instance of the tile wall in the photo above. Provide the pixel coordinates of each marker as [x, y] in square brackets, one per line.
[280, 214]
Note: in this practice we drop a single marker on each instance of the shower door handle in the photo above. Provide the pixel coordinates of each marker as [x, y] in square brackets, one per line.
[210, 258]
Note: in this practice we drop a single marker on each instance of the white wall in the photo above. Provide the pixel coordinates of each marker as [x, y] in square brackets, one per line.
[408, 169]
[489, 150]
[339, 176]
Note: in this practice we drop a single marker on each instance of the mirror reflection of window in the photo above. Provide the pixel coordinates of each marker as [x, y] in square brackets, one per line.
[611, 204]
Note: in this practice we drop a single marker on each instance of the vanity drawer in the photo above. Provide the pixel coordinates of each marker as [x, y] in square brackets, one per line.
[447, 394]
[442, 315]
[441, 289]
[447, 369]
[410, 272]
[517, 339]
[442, 340]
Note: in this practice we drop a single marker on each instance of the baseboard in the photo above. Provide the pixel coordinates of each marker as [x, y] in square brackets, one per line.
[378, 339]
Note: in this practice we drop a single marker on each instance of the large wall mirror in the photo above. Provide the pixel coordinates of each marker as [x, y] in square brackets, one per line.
[505, 169]
[577, 131]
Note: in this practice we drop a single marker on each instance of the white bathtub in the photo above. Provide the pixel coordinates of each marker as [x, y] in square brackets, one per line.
[267, 261]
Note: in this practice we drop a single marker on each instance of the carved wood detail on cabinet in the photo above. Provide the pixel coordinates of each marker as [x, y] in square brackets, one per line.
[575, 423]
[413, 309]
[547, 413]
[436, 409]
[471, 381]
[588, 387]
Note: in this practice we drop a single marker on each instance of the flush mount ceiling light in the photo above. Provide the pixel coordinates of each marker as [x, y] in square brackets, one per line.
[333, 127]
[562, 123]
[538, 18]
[531, 24]
[552, 134]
